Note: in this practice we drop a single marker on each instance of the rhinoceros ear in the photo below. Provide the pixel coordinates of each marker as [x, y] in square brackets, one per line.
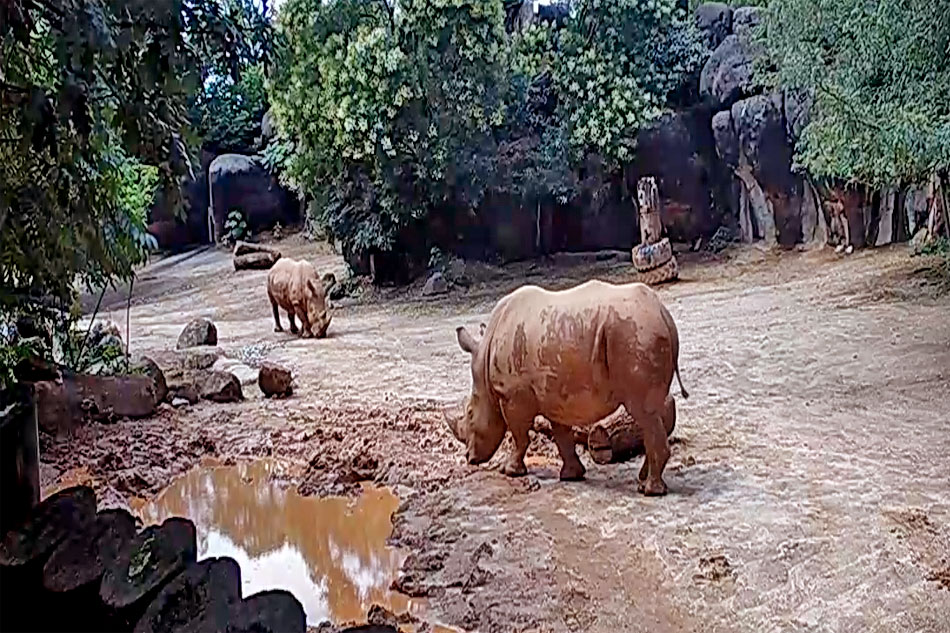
[466, 341]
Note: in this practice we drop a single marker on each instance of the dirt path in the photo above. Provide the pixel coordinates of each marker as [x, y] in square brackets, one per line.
[810, 481]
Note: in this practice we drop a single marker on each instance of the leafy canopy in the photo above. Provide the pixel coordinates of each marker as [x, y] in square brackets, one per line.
[395, 111]
[93, 118]
[880, 76]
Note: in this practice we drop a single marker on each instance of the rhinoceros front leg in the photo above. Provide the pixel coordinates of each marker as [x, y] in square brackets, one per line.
[572, 469]
[519, 419]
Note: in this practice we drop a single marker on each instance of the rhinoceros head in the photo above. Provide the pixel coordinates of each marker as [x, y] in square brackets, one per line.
[480, 424]
[318, 313]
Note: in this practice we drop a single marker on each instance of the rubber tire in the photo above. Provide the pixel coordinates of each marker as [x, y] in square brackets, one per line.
[648, 257]
[667, 272]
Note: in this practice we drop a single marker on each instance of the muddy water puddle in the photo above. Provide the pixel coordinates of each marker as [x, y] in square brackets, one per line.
[330, 553]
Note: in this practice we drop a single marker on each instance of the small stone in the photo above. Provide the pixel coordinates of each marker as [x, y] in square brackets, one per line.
[180, 402]
[275, 380]
[435, 285]
[198, 332]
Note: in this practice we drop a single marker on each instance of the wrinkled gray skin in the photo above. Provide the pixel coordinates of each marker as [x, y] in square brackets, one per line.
[572, 356]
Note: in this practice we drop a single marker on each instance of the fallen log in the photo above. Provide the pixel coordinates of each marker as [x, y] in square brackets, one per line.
[246, 248]
[255, 261]
[618, 438]
[205, 597]
[275, 611]
[150, 561]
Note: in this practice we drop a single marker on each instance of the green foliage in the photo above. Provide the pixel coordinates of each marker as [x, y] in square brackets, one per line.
[235, 226]
[614, 68]
[92, 92]
[387, 106]
[393, 111]
[227, 114]
[880, 76]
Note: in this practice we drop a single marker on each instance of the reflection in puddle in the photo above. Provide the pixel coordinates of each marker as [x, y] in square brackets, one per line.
[330, 553]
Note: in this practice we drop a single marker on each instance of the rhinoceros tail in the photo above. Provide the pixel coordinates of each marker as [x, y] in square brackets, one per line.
[680, 381]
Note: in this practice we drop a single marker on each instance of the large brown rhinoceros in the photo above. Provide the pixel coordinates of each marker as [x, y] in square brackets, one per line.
[572, 356]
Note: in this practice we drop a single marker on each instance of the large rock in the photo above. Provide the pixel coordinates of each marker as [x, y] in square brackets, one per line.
[61, 406]
[714, 19]
[679, 151]
[275, 380]
[198, 332]
[727, 75]
[241, 182]
[775, 204]
[435, 285]
[217, 386]
[175, 228]
[246, 374]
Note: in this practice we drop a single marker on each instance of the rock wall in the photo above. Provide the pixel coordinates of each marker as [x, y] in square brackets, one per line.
[238, 182]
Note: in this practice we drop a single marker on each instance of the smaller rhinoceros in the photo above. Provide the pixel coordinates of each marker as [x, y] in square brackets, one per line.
[295, 287]
[572, 356]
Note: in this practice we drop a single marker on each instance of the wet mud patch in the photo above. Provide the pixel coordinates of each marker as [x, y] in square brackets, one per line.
[331, 553]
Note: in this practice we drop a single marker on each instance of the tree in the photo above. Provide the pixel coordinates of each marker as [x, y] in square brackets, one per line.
[227, 109]
[93, 97]
[387, 105]
[879, 73]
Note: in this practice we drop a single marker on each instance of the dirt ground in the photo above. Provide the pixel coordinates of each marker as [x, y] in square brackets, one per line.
[809, 482]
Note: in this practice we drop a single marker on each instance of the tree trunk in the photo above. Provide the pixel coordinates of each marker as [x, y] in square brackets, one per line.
[156, 556]
[205, 597]
[246, 248]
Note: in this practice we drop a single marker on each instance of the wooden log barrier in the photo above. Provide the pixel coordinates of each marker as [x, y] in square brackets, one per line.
[25, 550]
[144, 567]
[205, 597]
[73, 573]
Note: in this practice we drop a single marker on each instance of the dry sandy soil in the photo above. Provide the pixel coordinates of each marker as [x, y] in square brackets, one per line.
[809, 482]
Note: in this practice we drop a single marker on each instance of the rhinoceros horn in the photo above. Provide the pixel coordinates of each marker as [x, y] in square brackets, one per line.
[452, 421]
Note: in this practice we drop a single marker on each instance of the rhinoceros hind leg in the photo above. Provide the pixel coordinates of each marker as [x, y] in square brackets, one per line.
[657, 449]
[293, 324]
[644, 470]
[572, 468]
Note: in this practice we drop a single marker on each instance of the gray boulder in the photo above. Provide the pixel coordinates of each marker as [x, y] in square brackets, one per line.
[435, 285]
[727, 75]
[148, 367]
[714, 19]
[198, 332]
[217, 386]
[239, 182]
